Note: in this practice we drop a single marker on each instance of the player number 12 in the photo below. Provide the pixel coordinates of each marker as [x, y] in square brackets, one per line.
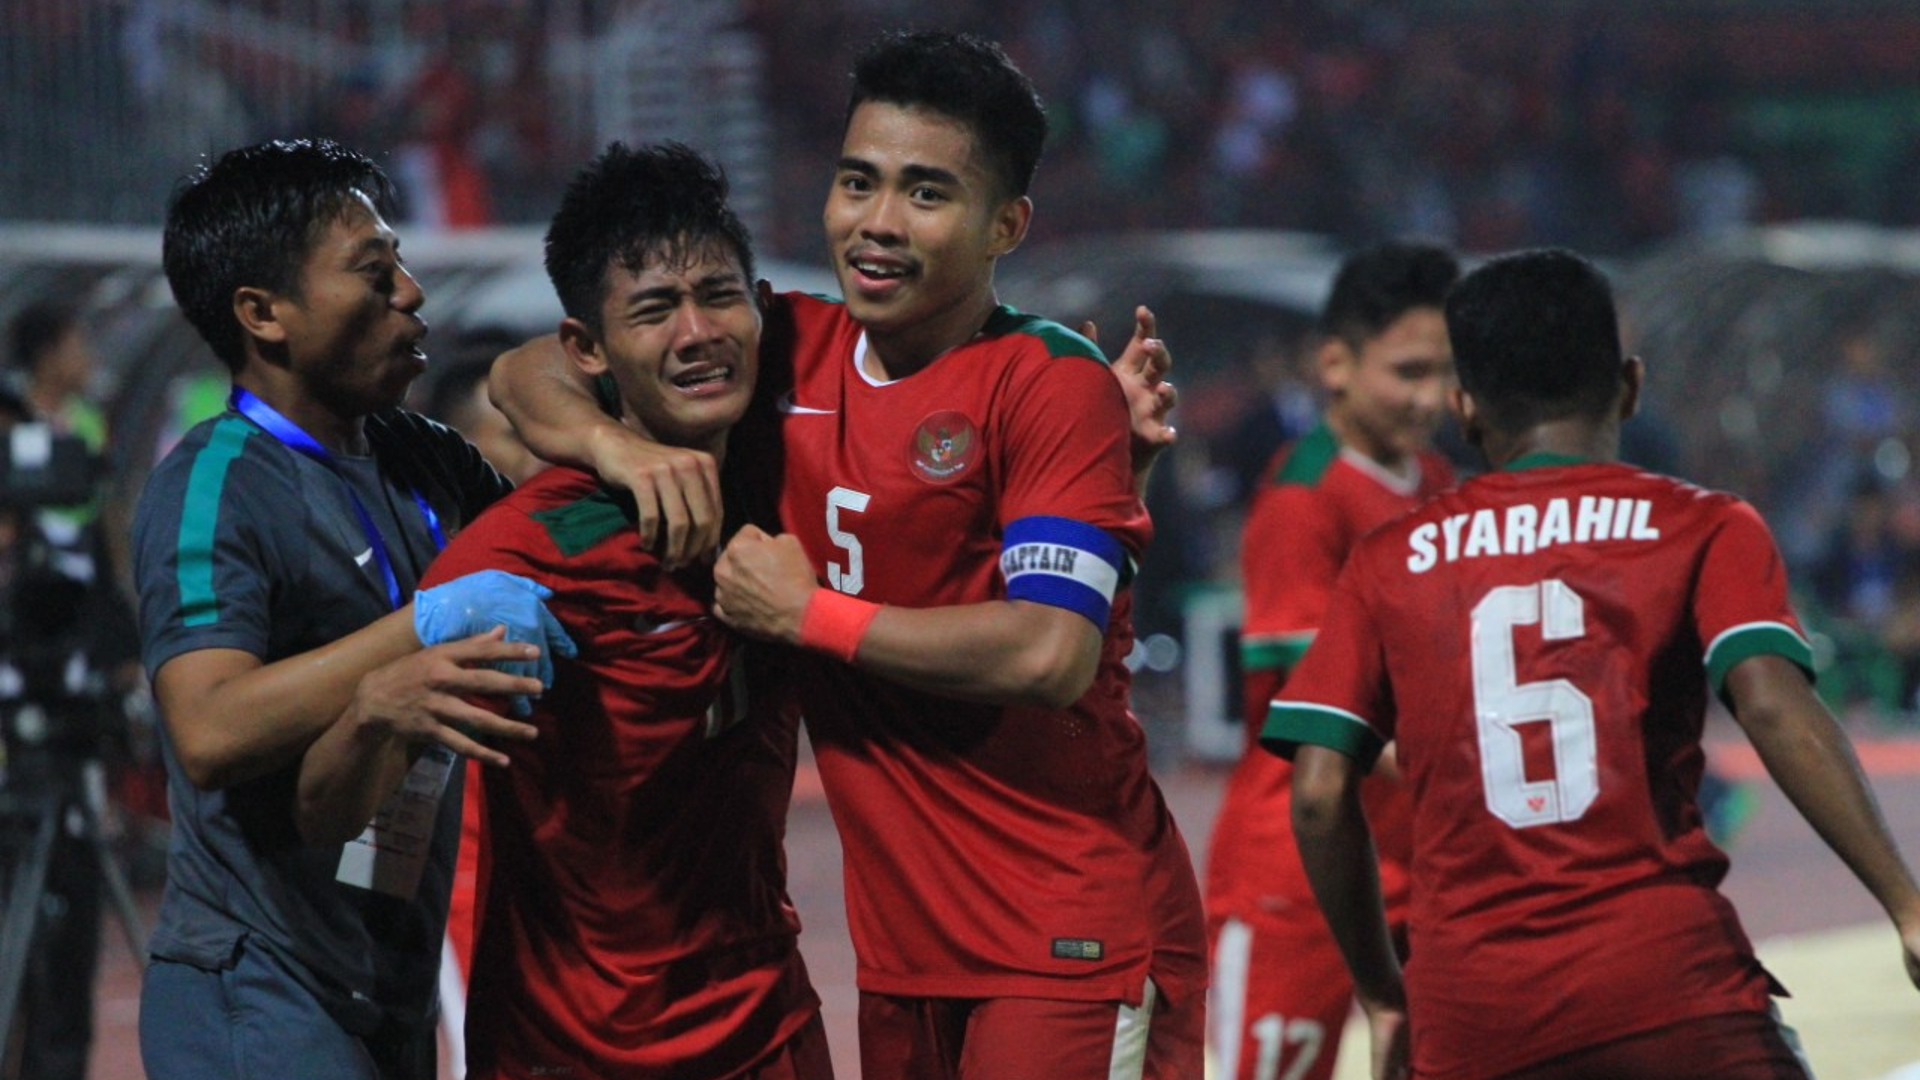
[1503, 703]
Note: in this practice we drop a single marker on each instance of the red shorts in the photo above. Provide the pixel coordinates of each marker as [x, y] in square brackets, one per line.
[1730, 1046]
[1279, 999]
[908, 1038]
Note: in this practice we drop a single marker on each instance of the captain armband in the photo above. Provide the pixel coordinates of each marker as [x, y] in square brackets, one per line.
[1062, 563]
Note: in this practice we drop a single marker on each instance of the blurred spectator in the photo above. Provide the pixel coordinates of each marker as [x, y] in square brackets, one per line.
[1260, 101]
[356, 107]
[54, 366]
[1649, 441]
[518, 142]
[1856, 575]
[191, 397]
[1901, 638]
[1280, 407]
[1864, 401]
[1715, 190]
[1129, 142]
[457, 397]
[53, 373]
[442, 184]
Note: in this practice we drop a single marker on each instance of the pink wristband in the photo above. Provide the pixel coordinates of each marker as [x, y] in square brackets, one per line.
[834, 623]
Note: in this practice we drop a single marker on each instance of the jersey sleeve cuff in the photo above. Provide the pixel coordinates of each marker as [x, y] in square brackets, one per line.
[1062, 563]
[1293, 723]
[1273, 652]
[1754, 639]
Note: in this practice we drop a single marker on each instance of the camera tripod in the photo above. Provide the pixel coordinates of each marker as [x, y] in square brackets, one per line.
[58, 809]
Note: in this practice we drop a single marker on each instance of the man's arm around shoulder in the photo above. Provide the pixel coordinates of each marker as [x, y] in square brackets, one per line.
[551, 404]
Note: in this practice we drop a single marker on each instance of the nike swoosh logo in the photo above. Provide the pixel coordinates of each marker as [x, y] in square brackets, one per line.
[363, 558]
[787, 405]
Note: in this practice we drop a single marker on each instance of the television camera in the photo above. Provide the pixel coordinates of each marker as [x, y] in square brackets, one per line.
[60, 624]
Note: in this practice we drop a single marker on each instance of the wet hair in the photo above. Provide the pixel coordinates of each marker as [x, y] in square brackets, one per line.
[1535, 338]
[967, 78]
[37, 329]
[251, 219]
[630, 205]
[1376, 286]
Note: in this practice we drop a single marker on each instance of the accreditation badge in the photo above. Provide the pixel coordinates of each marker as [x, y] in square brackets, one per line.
[391, 854]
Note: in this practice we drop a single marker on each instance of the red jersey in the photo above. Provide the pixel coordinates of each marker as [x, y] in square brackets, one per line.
[1540, 642]
[1319, 501]
[990, 851]
[634, 915]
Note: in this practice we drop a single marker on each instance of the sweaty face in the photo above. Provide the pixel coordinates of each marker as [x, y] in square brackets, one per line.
[914, 222]
[353, 330]
[1390, 395]
[682, 343]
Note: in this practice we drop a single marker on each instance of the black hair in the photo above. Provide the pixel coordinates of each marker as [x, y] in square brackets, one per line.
[662, 201]
[968, 78]
[1536, 338]
[38, 328]
[1376, 286]
[250, 219]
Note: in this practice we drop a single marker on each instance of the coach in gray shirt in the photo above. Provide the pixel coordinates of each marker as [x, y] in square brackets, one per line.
[313, 703]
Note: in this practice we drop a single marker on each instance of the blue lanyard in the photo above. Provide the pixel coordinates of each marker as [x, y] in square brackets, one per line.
[293, 437]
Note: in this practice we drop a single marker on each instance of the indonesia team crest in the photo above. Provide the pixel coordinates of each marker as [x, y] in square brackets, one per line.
[945, 445]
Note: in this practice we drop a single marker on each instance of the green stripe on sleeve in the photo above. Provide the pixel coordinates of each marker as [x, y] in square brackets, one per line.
[1292, 723]
[1273, 652]
[1751, 640]
[576, 526]
[200, 520]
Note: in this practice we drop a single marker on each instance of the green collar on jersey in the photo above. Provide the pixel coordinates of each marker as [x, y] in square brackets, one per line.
[1309, 457]
[1059, 340]
[1542, 459]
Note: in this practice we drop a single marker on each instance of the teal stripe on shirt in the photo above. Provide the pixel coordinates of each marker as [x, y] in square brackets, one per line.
[200, 519]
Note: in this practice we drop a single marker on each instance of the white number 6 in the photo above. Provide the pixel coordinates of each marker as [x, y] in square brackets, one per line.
[1503, 703]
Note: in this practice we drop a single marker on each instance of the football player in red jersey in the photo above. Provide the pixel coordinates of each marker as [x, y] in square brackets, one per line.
[961, 477]
[633, 913]
[1280, 994]
[1539, 644]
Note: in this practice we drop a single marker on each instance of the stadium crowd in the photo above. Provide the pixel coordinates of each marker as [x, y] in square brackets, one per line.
[1489, 126]
[1585, 129]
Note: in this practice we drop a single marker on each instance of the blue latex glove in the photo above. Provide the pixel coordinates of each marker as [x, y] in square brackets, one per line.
[476, 603]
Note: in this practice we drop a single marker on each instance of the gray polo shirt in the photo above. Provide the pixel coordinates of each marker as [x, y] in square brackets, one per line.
[242, 543]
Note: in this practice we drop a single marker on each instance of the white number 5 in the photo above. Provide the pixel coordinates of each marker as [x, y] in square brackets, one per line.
[1503, 703]
[853, 577]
